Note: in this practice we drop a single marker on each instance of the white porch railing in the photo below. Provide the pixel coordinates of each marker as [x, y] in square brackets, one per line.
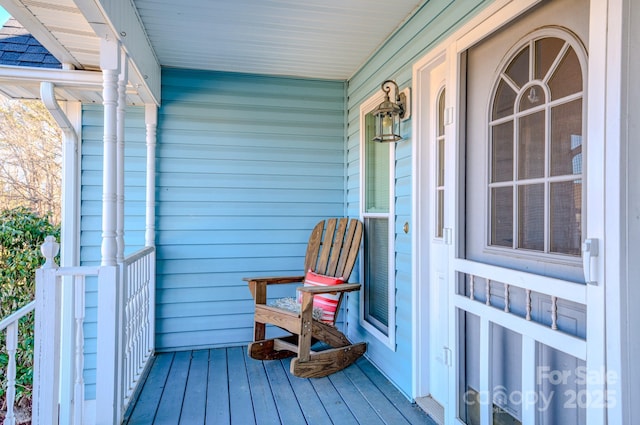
[77, 278]
[10, 323]
[129, 333]
[46, 367]
[137, 331]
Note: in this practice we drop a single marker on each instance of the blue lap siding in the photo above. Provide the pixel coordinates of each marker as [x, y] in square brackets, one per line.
[246, 165]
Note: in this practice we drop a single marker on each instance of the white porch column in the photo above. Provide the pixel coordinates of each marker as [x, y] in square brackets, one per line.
[122, 103]
[151, 121]
[108, 343]
[110, 64]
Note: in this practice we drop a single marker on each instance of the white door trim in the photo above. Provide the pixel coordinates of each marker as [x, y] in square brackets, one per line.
[600, 86]
[607, 120]
[422, 225]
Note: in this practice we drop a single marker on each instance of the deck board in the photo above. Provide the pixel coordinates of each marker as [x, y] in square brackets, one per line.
[194, 406]
[333, 403]
[217, 410]
[149, 398]
[170, 406]
[312, 407]
[263, 399]
[383, 407]
[363, 411]
[225, 386]
[286, 402]
[239, 392]
[411, 411]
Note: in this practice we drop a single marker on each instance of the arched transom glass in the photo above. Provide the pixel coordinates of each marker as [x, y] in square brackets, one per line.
[536, 128]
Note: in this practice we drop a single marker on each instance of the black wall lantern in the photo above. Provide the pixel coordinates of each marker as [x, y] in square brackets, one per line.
[389, 114]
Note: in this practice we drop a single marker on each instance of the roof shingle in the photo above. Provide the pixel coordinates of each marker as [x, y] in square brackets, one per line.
[19, 48]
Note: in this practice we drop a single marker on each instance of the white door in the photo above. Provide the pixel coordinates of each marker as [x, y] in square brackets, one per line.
[433, 353]
[439, 352]
[519, 290]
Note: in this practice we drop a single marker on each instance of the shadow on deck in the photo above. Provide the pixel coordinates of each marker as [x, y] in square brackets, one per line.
[225, 386]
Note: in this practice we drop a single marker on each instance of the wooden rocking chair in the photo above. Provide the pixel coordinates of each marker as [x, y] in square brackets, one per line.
[332, 251]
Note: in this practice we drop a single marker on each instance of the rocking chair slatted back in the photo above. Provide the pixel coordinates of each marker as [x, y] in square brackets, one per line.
[333, 247]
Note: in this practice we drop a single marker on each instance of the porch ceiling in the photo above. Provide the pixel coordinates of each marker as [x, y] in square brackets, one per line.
[327, 39]
[312, 38]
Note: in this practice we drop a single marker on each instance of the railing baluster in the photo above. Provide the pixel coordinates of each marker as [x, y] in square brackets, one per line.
[12, 325]
[127, 332]
[145, 308]
[506, 298]
[147, 314]
[136, 324]
[488, 291]
[12, 344]
[472, 287]
[528, 301]
[79, 310]
[135, 296]
[554, 313]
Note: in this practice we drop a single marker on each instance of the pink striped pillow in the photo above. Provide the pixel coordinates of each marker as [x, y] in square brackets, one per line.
[328, 303]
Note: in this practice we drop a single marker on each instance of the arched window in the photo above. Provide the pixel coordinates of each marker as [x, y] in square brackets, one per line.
[536, 134]
[439, 180]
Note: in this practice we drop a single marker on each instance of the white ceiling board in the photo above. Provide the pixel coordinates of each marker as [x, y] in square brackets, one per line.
[311, 38]
[328, 39]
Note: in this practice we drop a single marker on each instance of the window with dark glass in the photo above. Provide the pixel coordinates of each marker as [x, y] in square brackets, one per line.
[376, 208]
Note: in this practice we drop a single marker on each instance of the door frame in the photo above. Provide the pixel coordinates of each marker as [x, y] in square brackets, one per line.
[603, 112]
[422, 206]
[448, 51]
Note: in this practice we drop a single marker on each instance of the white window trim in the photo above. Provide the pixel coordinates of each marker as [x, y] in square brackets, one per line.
[390, 339]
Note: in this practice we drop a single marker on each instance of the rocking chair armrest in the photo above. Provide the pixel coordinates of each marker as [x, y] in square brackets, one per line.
[258, 285]
[274, 279]
[343, 287]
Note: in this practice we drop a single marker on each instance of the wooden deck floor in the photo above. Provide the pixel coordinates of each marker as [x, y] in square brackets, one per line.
[225, 386]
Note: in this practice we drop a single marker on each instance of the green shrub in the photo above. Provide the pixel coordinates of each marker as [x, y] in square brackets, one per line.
[22, 232]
